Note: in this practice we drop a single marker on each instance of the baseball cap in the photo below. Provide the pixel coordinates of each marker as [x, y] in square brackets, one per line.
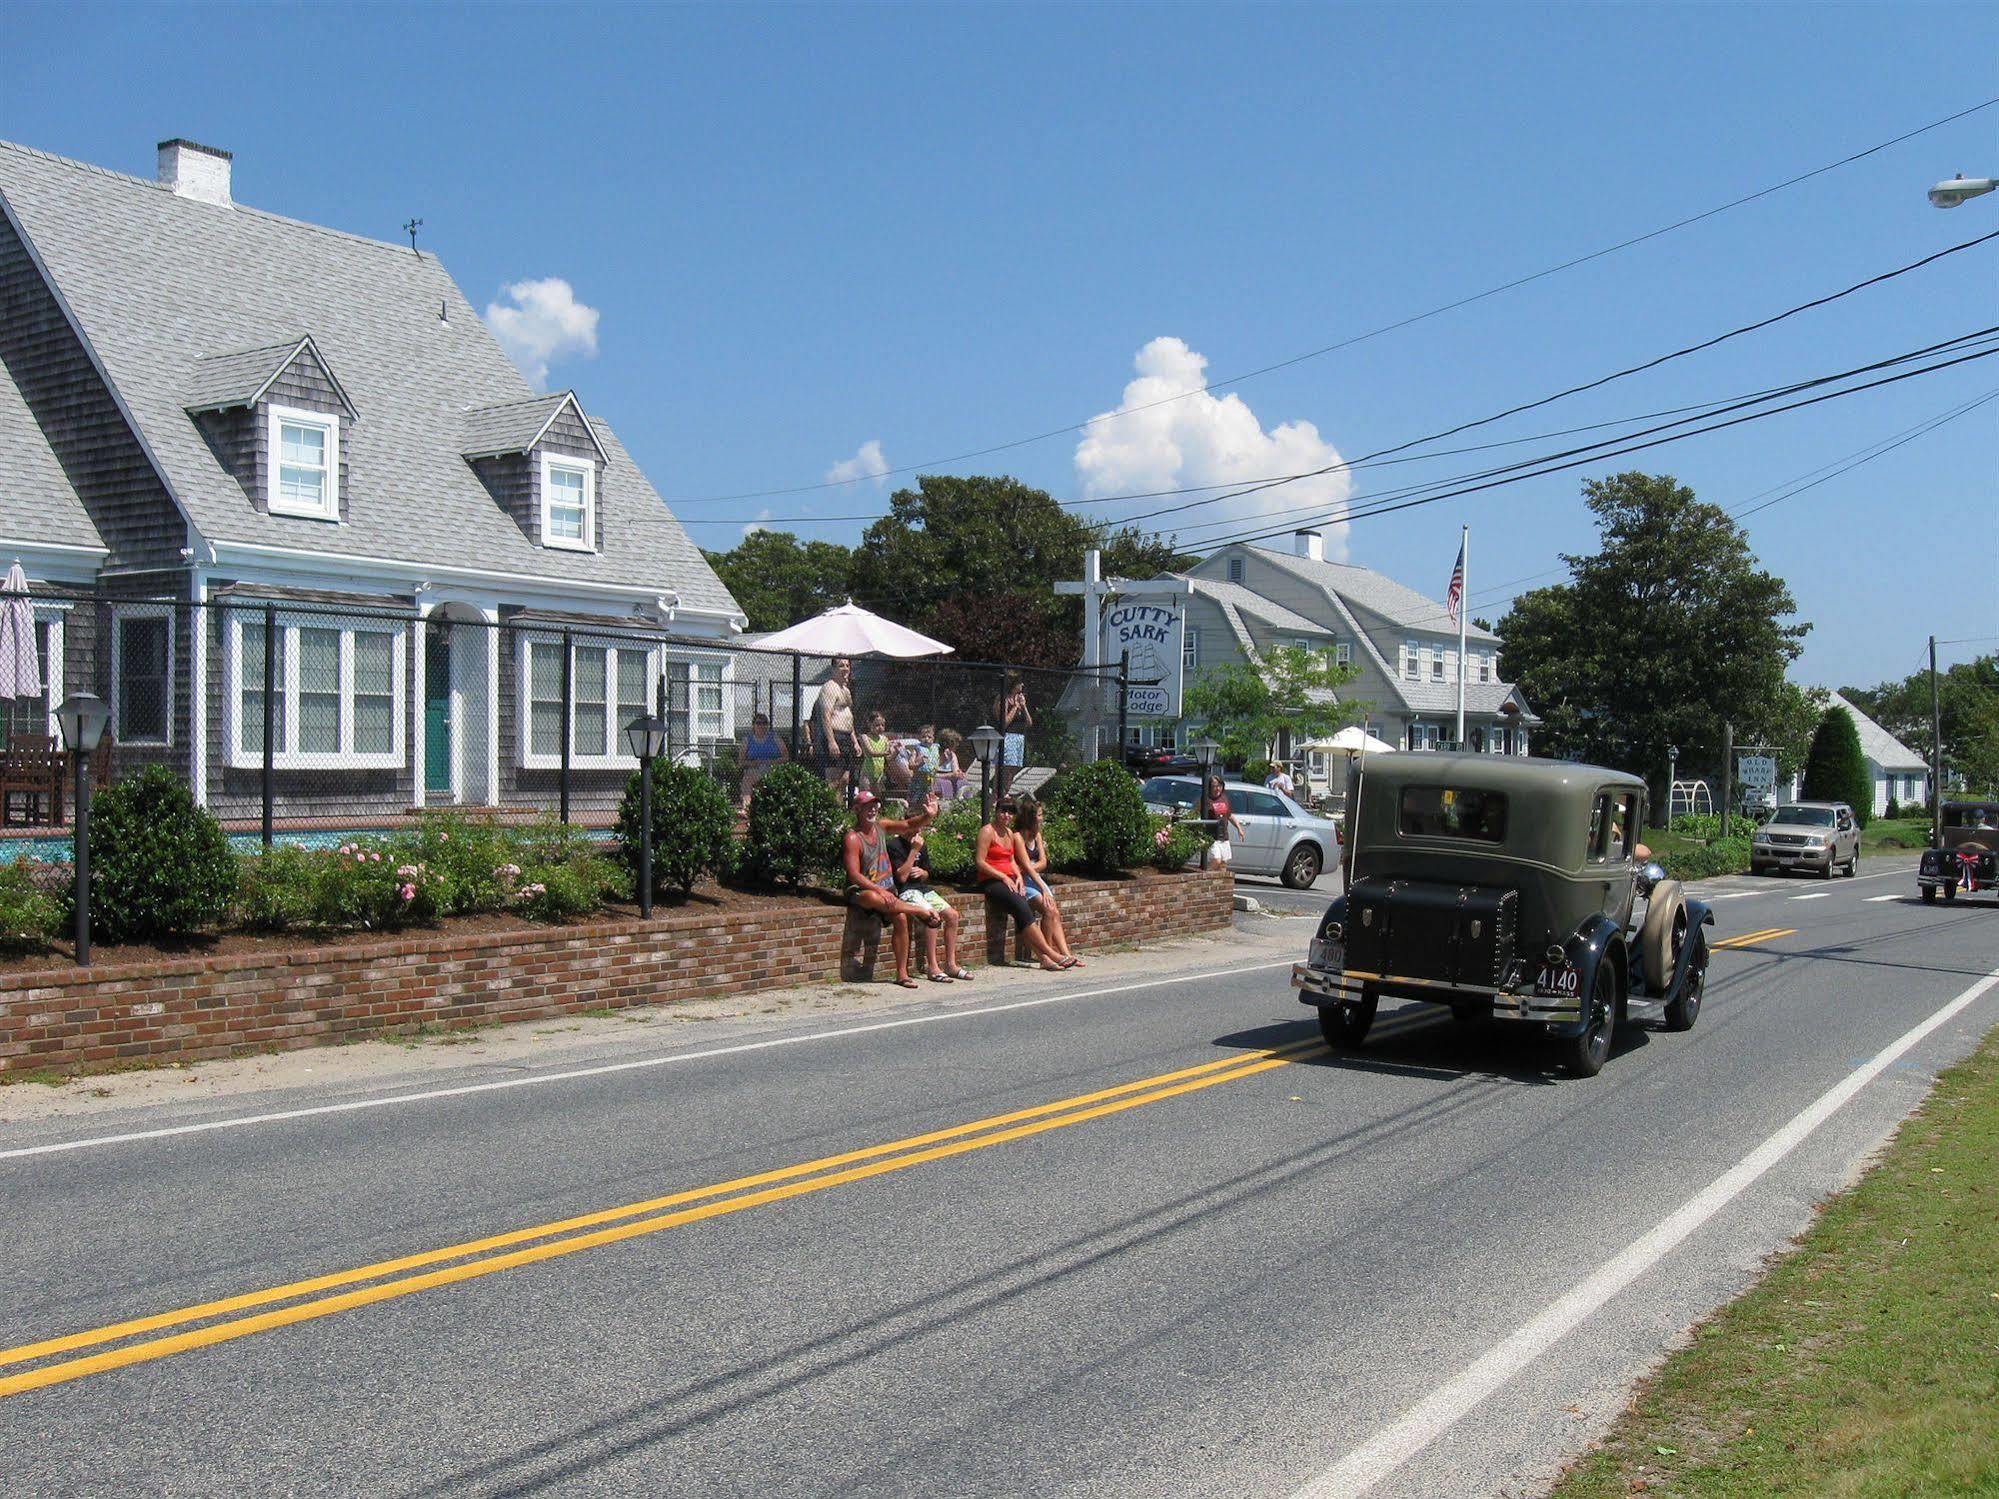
[865, 798]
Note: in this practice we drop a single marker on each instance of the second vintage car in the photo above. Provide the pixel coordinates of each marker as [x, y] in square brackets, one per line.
[1966, 855]
[1506, 888]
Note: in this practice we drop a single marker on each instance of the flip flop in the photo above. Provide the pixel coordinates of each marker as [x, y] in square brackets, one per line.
[962, 976]
[907, 984]
[938, 978]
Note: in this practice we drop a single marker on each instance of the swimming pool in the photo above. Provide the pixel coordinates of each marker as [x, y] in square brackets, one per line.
[58, 850]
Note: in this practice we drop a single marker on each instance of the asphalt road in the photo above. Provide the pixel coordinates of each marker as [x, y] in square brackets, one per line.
[1225, 1280]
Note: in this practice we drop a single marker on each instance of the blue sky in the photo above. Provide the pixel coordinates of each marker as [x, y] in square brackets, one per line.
[805, 230]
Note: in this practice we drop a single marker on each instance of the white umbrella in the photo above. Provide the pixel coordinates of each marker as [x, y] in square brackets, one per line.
[1357, 741]
[20, 672]
[851, 630]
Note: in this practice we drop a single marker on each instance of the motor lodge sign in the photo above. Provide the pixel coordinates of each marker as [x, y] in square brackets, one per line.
[1152, 635]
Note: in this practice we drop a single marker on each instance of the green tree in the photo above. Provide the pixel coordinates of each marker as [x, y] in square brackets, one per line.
[1836, 768]
[952, 541]
[1666, 632]
[1244, 705]
[780, 580]
[1968, 694]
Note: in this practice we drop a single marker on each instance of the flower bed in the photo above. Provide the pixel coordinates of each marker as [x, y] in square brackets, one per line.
[196, 1008]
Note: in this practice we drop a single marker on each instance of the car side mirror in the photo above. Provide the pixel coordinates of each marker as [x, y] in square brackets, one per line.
[1648, 876]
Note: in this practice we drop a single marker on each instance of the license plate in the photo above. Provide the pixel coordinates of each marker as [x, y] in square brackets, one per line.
[1558, 981]
[1324, 954]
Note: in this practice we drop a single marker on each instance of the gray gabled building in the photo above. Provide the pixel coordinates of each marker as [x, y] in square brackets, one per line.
[214, 406]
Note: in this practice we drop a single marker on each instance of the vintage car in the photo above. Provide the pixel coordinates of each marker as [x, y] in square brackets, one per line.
[1967, 855]
[1507, 888]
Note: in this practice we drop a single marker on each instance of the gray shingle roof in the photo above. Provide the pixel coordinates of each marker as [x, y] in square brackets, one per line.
[158, 281]
[36, 500]
[1480, 697]
[1243, 600]
[515, 426]
[240, 379]
[1877, 744]
[1366, 589]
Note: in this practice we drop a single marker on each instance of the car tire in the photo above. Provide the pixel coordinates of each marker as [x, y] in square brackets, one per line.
[1663, 934]
[1303, 867]
[1853, 863]
[1684, 1011]
[1345, 1026]
[1929, 895]
[1584, 1055]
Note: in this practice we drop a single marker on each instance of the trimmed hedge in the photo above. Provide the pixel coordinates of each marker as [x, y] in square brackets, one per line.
[1836, 767]
[793, 830]
[159, 865]
[692, 824]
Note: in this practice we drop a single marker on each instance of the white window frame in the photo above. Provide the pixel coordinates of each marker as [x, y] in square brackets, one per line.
[1440, 663]
[1412, 661]
[119, 614]
[1343, 653]
[274, 501]
[727, 711]
[1190, 648]
[550, 462]
[617, 758]
[286, 755]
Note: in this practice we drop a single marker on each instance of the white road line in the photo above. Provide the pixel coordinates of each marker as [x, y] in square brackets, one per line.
[1737, 894]
[534, 1080]
[1821, 895]
[1392, 1446]
[1875, 900]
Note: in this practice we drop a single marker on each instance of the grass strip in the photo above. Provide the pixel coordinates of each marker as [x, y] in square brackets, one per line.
[1866, 1362]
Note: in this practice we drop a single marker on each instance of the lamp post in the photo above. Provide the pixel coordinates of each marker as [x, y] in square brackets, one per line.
[1672, 778]
[82, 719]
[985, 741]
[1205, 750]
[646, 738]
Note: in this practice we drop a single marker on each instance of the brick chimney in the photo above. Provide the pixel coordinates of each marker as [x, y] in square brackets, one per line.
[193, 171]
[1310, 544]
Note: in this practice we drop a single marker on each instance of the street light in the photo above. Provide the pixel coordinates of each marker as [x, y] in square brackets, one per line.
[646, 738]
[1205, 750]
[985, 741]
[1958, 189]
[82, 719]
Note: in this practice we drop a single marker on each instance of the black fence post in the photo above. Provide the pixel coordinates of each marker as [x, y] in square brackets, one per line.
[568, 711]
[797, 699]
[270, 716]
[1123, 700]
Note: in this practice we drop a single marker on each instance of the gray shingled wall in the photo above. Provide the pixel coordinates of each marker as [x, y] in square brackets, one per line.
[302, 384]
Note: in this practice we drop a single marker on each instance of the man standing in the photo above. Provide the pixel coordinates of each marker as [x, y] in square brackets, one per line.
[839, 746]
[1279, 779]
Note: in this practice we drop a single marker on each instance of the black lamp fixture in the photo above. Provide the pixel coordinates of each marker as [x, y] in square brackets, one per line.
[645, 736]
[985, 741]
[1205, 750]
[83, 719]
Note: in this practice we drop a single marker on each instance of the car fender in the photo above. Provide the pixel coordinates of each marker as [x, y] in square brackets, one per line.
[1694, 958]
[1335, 912]
[1597, 941]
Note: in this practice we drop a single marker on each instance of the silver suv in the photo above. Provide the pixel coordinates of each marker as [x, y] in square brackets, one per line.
[1278, 837]
[1818, 836]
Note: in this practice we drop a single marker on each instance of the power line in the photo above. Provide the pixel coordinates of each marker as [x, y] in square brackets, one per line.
[1349, 342]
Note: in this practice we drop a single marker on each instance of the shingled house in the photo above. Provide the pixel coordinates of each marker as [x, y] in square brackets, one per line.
[227, 436]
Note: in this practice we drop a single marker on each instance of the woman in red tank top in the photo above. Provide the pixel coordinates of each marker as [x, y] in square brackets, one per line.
[1001, 880]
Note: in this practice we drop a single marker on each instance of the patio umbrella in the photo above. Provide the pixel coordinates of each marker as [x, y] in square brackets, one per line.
[20, 672]
[1357, 741]
[850, 630]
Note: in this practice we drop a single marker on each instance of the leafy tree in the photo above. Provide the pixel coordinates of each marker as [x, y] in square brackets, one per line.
[1836, 768]
[780, 580]
[1666, 632]
[1968, 694]
[1012, 627]
[1244, 705]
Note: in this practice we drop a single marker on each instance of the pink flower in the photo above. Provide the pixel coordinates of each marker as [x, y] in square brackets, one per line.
[528, 891]
[409, 872]
[408, 892]
[376, 857]
[443, 837]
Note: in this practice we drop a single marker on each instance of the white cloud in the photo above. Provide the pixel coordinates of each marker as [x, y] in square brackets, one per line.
[868, 462]
[758, 524]
[1208, 439]
[542, 321]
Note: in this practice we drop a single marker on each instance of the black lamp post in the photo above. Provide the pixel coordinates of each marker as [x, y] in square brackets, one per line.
[1205, 750]
[646, 737]
[82, 719]
[985, 741]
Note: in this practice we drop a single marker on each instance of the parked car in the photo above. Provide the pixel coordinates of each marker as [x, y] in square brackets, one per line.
[1816, 836]
[1967, 858]
[1279, 837]
[1148, 760]
[1507, 889]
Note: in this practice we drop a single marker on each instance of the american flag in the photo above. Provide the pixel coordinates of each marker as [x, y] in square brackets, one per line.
[1454, 596]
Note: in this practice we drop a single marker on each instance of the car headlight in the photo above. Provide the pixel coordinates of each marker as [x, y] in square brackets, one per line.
[1815, 843]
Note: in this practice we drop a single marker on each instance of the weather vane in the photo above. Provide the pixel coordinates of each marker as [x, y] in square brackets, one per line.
[410, 229]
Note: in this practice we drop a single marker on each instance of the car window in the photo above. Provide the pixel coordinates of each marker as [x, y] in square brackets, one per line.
[1599, 815]
[1171, 793]
[1256, 804]
[1805, 817]
[1453, 812]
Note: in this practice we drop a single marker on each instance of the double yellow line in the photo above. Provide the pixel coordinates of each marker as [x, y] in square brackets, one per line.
[1750, 939]
[133, 1341]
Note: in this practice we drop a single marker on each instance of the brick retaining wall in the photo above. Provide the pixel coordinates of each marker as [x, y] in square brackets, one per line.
[192, 1009]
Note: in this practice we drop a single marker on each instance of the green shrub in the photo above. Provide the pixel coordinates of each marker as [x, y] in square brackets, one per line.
[1112, 822]
[564, 891]
[1176, 844]
[1699, 825]
[1723, 856]
[950, 842]
[29, 913]
[159, 865]
[275, 889]
[463, 856]
[691, 825]
[1061, 840]
[1257, 771]
[794, 828]
[1836, 767]
[1893, 811]
[370, 884]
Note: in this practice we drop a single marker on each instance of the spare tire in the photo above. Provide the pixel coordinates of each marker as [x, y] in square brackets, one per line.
[1663, 935]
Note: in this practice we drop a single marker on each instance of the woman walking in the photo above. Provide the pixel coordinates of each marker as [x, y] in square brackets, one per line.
[1031, 851]
[1216, 807]
[1001, 879]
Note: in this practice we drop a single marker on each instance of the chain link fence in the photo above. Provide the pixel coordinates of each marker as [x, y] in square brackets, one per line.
[303, 715]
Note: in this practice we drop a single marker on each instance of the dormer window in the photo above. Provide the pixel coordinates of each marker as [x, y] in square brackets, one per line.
[305, 464]
[568, 503]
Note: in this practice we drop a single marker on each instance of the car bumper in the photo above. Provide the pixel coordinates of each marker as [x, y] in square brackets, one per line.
[1783, 858]
[1322, 986]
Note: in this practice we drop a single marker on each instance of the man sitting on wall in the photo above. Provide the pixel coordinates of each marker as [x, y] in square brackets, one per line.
[871, 874]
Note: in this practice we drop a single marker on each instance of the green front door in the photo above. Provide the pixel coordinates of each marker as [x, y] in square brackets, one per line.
[436, 714]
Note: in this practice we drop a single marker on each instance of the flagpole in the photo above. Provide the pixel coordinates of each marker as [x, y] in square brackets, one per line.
[1464, 614]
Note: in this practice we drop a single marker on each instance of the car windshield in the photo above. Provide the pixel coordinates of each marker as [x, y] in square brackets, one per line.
[1805, 817]
[1453, 812]
[1170, 793]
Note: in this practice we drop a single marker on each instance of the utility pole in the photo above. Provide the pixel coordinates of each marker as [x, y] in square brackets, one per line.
[1727, 773]
[1936, 751]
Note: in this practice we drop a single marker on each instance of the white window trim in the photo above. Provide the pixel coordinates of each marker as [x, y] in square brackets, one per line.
[532, 759]
[120, 613]
[707, 658]
[1343, 653]
[287, 756]
[327, 422]
[583, 466]
[1190, 648]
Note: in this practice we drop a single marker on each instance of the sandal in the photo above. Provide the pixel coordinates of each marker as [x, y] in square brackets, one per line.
[1072, 962]
[938, 978]
[961, 975]
[907, 984]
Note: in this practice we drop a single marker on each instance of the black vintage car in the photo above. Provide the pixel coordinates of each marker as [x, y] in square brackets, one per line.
[1506, 888]
[1967, 853]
